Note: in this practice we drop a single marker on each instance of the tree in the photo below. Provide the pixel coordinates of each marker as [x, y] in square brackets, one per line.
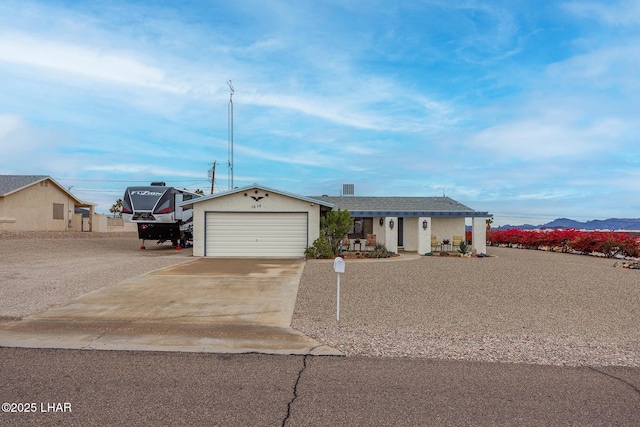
[489, 222]
[198, 191]
[116, 208]
[334, 225]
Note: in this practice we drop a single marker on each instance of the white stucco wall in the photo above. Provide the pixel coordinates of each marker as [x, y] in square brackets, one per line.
[479, 235]
[446, 228]
[242, 202]
[424, 236]
[391, 236]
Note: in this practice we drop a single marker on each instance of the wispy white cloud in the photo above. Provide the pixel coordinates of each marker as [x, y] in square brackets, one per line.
[146, 169]
[493, 30]
[299, 157]
[89, 62]
[605, 67]
[24, 144]
[546, 137]
[9, 123]
[615, 12]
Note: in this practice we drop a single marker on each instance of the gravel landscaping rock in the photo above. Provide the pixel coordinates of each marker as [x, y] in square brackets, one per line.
[522, 306]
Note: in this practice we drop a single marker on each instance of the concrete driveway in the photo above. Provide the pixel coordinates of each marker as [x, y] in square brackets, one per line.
[206, 305]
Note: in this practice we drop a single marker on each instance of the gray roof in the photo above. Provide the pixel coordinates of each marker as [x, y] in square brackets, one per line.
[12, 183]
[402, 206]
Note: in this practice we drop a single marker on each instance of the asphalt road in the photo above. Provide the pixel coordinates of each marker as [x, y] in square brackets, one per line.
[159, 388]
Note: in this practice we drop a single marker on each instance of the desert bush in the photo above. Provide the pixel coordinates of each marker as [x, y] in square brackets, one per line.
[380, 251]
[463, 248]
[319, 249]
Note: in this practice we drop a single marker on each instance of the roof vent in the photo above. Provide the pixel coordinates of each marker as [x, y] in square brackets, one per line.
[158, 184]
[348, 190]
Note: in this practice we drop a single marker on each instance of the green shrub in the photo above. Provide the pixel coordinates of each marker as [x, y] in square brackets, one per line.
[319, 249]
[334, 225]
[380, 251]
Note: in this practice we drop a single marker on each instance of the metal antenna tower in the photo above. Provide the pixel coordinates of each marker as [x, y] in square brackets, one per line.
[230, 136]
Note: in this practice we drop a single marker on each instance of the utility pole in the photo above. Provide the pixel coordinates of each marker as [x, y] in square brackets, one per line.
[213, 175]
[230, 135]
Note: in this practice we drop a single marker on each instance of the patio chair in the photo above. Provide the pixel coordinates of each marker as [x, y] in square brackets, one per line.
[371, 241]
[434, 242]
[456, 241]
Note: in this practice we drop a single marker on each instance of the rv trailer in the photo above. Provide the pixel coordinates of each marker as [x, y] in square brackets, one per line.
[155, 209]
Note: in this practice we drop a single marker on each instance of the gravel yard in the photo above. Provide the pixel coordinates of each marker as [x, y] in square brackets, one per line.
[521, 306]
[41, 270]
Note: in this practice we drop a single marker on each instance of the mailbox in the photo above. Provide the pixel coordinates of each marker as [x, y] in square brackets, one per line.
[338, 265]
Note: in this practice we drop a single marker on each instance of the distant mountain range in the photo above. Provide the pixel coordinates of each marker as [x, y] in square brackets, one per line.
[596, 224]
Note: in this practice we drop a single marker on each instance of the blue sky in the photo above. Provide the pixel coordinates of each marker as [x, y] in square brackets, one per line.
[526, 109]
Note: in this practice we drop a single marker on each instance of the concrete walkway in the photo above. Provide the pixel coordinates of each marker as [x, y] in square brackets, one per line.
[206, 305]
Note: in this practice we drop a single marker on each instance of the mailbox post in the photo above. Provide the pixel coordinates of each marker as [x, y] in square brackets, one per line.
[338, 267]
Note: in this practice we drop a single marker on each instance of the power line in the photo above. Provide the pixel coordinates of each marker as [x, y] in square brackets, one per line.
[115, 180]
[110, 190]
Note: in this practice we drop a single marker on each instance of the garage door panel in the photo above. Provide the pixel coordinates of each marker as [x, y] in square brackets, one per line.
[242, 234]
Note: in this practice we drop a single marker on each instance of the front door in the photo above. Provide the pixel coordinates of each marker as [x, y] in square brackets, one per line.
[400, 232]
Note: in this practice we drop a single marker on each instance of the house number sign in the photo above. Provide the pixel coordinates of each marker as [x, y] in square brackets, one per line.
[256, 199]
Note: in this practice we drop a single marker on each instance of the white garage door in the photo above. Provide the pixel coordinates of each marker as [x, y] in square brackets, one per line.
[266, 234]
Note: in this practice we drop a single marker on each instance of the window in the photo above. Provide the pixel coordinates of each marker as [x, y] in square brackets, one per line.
[361, 227]
[58, 211]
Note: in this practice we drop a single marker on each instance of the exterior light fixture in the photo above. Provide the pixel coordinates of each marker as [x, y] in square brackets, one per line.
[425, 224]
[391, 224]
[381, 222]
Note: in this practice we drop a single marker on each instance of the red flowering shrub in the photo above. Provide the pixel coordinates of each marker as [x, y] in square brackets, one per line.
[608, 243]
[467, 236]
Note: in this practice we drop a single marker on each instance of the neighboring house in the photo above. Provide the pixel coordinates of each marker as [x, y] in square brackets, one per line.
[411, 223]
[257, 221]
[39, 203]
[254, 221]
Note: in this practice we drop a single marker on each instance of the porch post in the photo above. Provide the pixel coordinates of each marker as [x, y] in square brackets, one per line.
[391, 236]
[479, 235]
[91, 215]
[424, 235]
